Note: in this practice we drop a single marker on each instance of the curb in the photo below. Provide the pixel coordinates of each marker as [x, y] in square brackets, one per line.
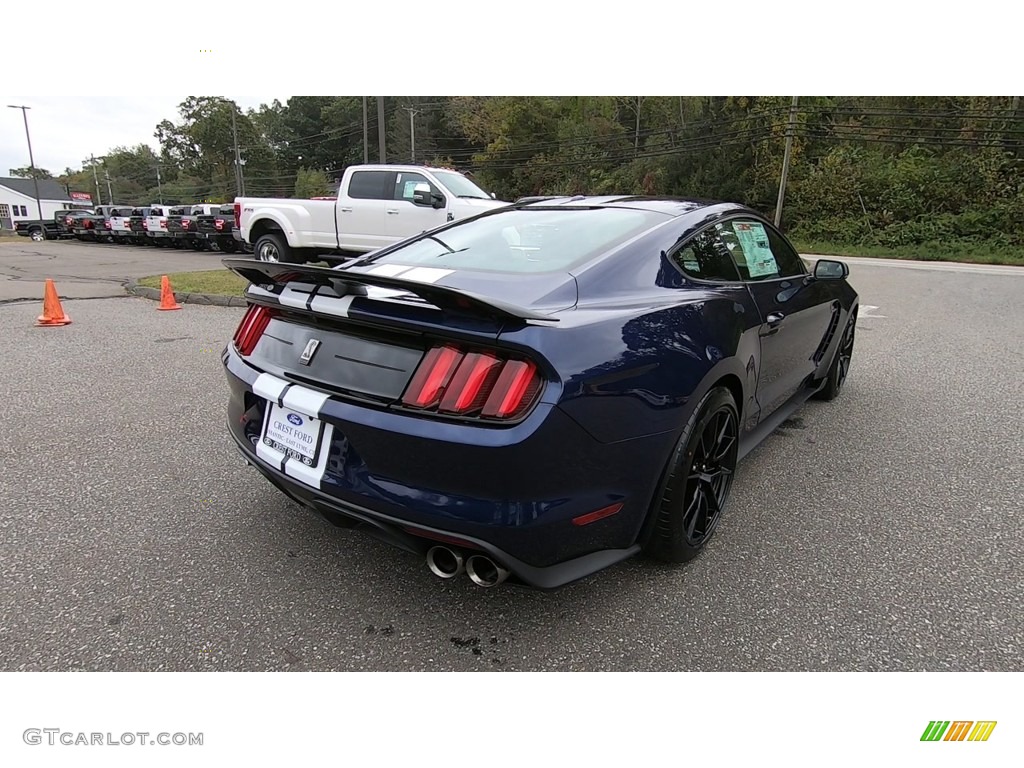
[207, 299]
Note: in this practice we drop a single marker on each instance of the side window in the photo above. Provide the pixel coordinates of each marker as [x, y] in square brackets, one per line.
[24, 211]
[758, 252]
[705, 257]
[407, 183]
[370, 185]
[789, 260]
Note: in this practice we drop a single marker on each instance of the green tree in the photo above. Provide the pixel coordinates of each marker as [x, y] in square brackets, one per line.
[311, 183]
[26, 173]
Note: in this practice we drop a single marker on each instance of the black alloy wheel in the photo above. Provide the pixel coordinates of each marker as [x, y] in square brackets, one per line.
[700, 475]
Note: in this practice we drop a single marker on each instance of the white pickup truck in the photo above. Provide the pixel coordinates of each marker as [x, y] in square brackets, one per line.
[376, 205]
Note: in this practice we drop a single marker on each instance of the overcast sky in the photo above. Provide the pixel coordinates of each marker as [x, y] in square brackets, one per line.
[66, 129]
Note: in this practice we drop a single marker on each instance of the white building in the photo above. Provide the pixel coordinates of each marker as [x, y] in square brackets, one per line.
[18, 200]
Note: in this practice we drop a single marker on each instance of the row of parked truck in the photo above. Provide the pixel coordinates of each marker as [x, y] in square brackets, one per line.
[374, 206]
[200, 227]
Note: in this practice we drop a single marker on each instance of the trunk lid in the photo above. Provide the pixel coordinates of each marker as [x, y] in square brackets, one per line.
[369, 332]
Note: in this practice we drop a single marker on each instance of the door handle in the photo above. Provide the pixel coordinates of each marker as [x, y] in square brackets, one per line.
[345, 210]
[392, 210]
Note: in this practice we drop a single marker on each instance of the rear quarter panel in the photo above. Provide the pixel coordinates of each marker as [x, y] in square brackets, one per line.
[639, 371]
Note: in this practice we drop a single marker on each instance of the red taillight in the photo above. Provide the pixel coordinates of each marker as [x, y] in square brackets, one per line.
[87, 224]
[67, 221]
[163, 224]
[219, 223]
[106, 225]
[431, 377]
[184, 224]
[253, 324]
[238, 215]
[472, 384]
[145, 224]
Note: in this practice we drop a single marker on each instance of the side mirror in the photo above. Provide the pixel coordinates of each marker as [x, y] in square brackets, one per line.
[437, 200]
[826, 269]
[421, 197]
[494, 196]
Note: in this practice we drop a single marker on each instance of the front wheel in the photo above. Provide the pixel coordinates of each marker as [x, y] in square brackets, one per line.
[700, 476]
[272, 248]
[840, 368]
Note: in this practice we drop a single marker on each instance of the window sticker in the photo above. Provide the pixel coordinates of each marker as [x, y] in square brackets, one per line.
[756, 250]
[410, 188]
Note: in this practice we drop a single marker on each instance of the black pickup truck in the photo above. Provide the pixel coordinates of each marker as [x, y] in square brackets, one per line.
[137, 225]
[183, 225]
[46, 229]
[95, 227]
[214, 229]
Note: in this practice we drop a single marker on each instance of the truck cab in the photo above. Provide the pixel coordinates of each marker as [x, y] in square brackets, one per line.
[376, 206]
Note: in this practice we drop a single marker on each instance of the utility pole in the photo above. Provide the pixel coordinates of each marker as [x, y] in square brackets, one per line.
[110, 193]
[380, 130]
[366, 136]
[31, 160]
[785, 161]
[239, 177]
[159, 187]
[96, 178]
[412, 130]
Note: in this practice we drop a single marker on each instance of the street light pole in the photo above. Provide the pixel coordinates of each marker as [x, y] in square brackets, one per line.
[785, 162]
[412, 130]
[159, 187]
[31, 159]
[96, 178]
[366, 136]
[239, 177]
[381, 130]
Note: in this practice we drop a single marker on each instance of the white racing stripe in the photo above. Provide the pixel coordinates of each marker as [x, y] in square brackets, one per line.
[426, 274]
[389, 270]
[255, 290]
[329, 305]
[270, 455]
[312, 476]
[375, 292]
[292, 298]
[269, 387]
[304, 400]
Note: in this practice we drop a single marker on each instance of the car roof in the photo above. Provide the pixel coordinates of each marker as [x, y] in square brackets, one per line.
[671, 206]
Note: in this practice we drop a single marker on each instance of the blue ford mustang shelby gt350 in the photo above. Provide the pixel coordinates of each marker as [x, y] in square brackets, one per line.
[540, 391]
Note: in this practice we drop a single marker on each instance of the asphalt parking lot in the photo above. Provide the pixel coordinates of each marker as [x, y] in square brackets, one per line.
[87, 270]
[879, 532]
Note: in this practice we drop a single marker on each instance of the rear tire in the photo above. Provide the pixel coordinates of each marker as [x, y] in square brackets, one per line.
[700, 475]
[272, 248]
[37, 235]
[840, 368]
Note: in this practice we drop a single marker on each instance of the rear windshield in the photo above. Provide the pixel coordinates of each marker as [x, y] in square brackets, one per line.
[523, 240]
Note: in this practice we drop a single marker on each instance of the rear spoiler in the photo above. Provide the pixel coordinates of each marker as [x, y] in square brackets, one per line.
[264, 273]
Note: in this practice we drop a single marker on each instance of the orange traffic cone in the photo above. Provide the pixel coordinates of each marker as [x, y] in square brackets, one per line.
[167, 300]
[53, 312]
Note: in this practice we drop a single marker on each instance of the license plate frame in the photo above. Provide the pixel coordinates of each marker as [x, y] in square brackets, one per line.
[288, 443]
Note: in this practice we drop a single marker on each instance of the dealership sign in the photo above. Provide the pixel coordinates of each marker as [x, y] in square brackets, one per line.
[81, 196]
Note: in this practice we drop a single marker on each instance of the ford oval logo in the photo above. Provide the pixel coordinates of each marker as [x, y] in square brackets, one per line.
[296, 420]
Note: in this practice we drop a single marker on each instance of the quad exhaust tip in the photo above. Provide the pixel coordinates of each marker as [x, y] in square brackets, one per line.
[484, 572]
[445, 563]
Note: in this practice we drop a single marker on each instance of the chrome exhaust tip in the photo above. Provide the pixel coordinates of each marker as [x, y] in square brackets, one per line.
[444, 563]
[484, 572]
